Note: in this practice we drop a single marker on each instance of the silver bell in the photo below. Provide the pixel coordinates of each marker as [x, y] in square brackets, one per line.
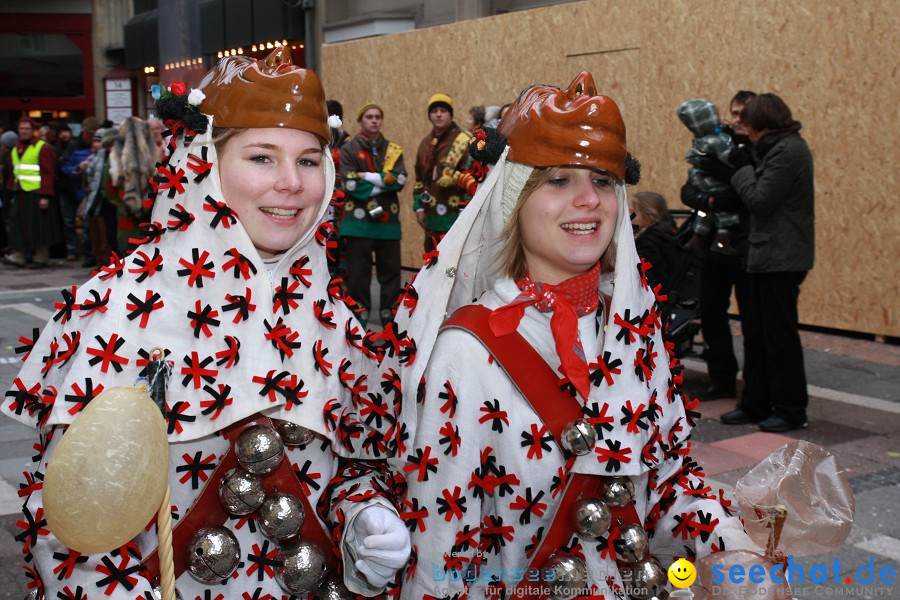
[241, 492]
[632, 543]
[569, 576]
[579, 437]
[293, 434]
[259, 449]
[302, 569]
[34, 594]
[591, 517]
[618, 491]
[213, 554]
[157, 593]
[280, 516]
[645, 580]
[334, 590]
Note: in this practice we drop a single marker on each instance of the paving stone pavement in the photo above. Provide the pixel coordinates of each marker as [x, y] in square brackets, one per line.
[854, 412]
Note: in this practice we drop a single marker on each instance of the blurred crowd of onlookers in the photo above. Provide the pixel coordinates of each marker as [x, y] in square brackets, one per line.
[74, 196]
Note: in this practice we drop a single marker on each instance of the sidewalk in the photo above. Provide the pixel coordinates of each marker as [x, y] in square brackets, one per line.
[854, 412]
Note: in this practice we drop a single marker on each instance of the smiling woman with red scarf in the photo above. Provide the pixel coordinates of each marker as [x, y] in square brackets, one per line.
[548, 433]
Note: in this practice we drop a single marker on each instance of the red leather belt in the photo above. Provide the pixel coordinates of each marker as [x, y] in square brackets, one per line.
[207, 510]
[537, 382]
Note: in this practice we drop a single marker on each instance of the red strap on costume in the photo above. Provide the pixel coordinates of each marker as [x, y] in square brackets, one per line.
[208, 511]
[537, 382]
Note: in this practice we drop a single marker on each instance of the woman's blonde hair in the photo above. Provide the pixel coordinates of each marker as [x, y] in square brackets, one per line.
[512, 256]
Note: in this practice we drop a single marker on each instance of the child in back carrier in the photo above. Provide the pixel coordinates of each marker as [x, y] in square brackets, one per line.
[702, 119]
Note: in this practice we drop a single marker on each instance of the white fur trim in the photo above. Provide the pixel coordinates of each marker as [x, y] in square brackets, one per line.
[515, 175]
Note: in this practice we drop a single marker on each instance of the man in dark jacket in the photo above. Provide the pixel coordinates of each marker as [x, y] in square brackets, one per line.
[779, 193]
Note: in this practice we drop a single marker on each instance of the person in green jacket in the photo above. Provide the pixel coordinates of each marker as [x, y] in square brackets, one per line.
[372, 171]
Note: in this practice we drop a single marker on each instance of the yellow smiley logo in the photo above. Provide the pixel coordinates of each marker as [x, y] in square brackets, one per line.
[682, 573]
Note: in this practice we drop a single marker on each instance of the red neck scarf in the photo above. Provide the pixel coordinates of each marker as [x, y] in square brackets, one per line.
[569, 300]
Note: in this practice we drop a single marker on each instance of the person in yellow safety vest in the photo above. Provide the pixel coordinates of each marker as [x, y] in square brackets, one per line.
[34, 224]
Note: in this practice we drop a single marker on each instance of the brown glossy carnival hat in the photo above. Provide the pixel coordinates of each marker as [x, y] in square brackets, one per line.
[548, 126]
[272, 92]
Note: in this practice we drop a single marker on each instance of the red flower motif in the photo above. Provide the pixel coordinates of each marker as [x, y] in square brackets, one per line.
[178, 88]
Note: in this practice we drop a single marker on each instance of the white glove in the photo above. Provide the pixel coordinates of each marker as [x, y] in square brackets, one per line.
[385, 544]
[373, 178]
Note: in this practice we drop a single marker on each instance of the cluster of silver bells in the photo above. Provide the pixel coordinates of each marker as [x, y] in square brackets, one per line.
[214, 553]
[644, 577]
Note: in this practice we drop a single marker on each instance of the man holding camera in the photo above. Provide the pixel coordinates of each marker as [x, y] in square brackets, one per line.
[372, 172]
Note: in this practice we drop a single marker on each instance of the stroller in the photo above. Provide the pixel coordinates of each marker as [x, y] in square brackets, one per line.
[684, 289]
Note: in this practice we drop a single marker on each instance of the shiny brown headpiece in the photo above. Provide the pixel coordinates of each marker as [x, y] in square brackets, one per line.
[549, 127]
[273, 92]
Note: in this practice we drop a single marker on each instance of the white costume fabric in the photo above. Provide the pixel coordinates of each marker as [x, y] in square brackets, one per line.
[242, 338]
[484, 474]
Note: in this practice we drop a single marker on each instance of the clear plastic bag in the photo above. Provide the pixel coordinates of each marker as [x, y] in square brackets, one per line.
[796, 501]
[810, 483]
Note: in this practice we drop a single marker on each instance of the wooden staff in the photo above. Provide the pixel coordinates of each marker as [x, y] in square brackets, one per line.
[166, 556]
[158, 371]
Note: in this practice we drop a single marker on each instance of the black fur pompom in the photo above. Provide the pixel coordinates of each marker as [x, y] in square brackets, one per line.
[177, 108]
[632, 170]
[487, 145]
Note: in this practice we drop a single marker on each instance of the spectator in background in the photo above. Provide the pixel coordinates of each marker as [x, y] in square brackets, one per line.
[157, 128]
[74, 163]
[46, 133]
[780, 196]
[654, 236]
[492, 116]
[373, 173]
[102, 199]
[476, 119]
[723, 273]
[7, 143]
[62, 135]
[701, 118]
[33, 224]
[339, 136]
[736, 128]
[442, 185]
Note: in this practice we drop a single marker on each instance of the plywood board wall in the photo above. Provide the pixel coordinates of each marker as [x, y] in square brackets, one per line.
[833, 62]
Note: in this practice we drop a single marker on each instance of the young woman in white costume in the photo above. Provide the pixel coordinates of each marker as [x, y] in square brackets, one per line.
[230, 292]
[547, 453]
